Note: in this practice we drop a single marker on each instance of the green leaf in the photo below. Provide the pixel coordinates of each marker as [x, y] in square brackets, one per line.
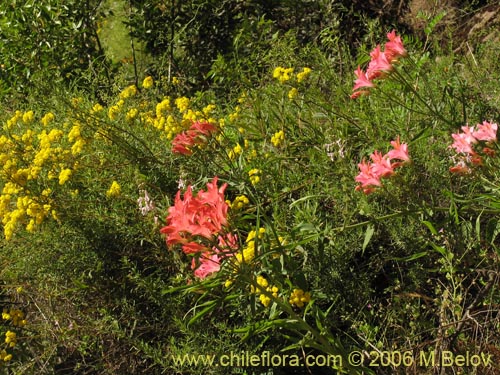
[429, 225]
[368, 235]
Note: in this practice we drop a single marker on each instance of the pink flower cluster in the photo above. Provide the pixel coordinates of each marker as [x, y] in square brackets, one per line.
[381, 63]
[199, 217]
[197, 134]
[469, 142]
[381, 166]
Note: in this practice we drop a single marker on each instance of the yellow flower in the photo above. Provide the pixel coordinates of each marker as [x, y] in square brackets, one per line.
[64, 176]
[128, 92]
[163, 107]
[182, 104]
[239, 202]
[132, 114]
[96, 108]
[175, 81]
[114, 190]
[28, 117]
[148, 82]
[303, 75]
[278, 138]
[254, 175]
[47, 118]
[299, 298]
[282, 74]
[293, 93]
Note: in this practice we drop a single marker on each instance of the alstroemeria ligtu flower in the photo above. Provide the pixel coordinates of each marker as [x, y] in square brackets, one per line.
[486, 132]
[400, 151]
[206, 264]
[394, 47]
[381, 166]
[362, 79]
[378, 64]
[197, 134]
[203, 215]
[381, 63]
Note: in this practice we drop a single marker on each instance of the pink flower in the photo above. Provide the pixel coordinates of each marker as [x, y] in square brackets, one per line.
[381, 166]
[207, 264]
[394, 47]
[366, 176]
[209, 261]
[462, 143]
[204, 215]
[197, 134]
[378, 65]
[362, 80]
[486, 132]
[400, 151]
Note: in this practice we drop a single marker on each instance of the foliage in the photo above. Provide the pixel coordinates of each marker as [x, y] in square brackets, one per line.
[295, 216]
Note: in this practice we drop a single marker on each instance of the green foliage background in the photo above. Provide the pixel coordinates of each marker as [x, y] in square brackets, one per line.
[413, 267]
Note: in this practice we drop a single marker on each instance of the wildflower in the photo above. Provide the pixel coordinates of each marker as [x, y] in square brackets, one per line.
[64, 176]
[96, 108]
[182, 104]
[381, 166]
[47, 118]
[128, 92]
[293, 93]
[254, 175]
[28, 117]
[163, 107]
[205, 265]
[394, 47]
[148, 82]
[239, 202]
[145, 203]
[303, 74]
[400, 151]
[131, 114]
[282, 74]
[486, 132]
[378, 65]
[114, 190]
[197, 134]
[381, 63]
[278, 138]
[10, 338]
[460, 168]
[367, 178]
[299, 298]
[203, 215]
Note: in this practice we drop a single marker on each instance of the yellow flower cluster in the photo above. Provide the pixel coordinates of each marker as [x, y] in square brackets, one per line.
[254, 175]
[15, 315]
[239, 202]
[303, 74]
[292, 94]
[10, 338]
[148, 82]
[264, 284]
[299, 298]
[4, 356]
[248, 252]
[278, 138]
[128, 92]
[114, 190]
[282, 74]
[28, 155]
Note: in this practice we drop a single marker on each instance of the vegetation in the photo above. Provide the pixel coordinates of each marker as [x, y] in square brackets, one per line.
[245, 178]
